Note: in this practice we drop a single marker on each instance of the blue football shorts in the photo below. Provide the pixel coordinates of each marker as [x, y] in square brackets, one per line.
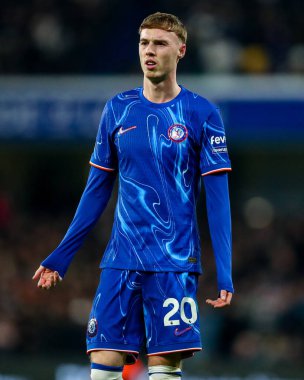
[136, 308]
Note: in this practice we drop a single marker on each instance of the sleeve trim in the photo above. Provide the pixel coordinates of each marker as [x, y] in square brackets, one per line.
[217, 171]
[102, 167]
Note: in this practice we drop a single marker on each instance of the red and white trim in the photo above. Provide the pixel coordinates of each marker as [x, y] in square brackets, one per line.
[101, 167]
[170, 352]
[112, 349]
[217, 171]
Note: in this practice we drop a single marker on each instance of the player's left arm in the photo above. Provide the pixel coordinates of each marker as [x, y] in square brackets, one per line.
[214, 165]
[219, 219]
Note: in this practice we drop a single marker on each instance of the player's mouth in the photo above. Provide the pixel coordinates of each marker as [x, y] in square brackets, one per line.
[150, 64]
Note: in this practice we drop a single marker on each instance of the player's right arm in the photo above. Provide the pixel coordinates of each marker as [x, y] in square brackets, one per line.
[92, 203]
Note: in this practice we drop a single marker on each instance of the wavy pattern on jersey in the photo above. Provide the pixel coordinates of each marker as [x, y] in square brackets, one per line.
[164, 232]
[158, 146]
[155, 226]
[154, 204]
[119, 118]
[140, 251]
[181, 167]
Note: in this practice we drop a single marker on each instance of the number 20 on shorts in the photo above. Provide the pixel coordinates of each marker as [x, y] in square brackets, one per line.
[189, 319]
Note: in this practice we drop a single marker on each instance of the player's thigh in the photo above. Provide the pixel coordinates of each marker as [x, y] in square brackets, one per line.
[109, 358]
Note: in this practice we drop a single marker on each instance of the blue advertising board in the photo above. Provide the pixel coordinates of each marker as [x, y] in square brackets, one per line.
[70, 108]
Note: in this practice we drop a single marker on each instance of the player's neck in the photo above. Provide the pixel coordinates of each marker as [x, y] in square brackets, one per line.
[160, 92]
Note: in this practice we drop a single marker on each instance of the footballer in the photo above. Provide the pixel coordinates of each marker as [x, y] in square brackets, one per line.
[161, 141]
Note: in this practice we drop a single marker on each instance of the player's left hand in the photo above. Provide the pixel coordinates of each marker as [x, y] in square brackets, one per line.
[47, 278]
[224, 299]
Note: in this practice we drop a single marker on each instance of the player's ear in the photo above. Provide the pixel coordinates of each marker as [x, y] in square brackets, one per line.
[182, 51]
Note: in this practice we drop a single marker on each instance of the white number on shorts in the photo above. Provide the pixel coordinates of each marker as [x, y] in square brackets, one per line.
[192, 304]
[167, 321]
[187, 319]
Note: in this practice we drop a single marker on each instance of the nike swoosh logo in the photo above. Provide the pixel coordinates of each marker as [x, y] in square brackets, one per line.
[122, 131]
[178, 332]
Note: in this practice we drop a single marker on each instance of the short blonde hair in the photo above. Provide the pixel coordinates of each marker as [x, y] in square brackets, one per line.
[165, 21]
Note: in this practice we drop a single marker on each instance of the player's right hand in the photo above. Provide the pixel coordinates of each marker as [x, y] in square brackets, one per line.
[47, 278]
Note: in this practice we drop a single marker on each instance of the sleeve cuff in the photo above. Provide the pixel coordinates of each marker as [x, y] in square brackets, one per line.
[101, 167]
[229, 288]
[52, 267]
[216, 170]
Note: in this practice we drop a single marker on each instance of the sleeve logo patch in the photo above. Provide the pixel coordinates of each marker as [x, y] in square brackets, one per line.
[218, 144]
[218, 140]
[177, 133]
[92, 327]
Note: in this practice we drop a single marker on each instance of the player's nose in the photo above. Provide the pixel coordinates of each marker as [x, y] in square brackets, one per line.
[150, 49]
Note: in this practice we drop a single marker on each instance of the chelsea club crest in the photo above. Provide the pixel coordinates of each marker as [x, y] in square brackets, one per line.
[92, 327]
[177, 133]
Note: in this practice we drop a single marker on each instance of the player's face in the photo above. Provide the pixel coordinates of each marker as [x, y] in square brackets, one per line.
[159, 52]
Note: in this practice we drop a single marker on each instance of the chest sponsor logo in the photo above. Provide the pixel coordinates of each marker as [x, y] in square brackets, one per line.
[178, 133]
[122, 131]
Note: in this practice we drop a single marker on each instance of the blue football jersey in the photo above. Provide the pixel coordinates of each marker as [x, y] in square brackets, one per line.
[160, 151]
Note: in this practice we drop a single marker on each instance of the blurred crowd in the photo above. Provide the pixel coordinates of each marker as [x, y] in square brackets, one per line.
[100, 36]
[264, 326]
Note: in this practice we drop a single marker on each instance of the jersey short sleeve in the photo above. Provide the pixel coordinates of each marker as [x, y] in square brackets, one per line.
[104, 155]
[214, 154]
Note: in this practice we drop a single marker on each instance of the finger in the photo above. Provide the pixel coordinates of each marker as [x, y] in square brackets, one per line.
[217, 303]
[226, 296]
[223, 303]
[57, 276]
[41, 281]
[38, 272]
[223, 295]
[45, 280]
[209, 302]
[55, 279]
[51, 279]
[42, 278]
[212, 302]
[47, 284]
[229, 298]
[220, 303]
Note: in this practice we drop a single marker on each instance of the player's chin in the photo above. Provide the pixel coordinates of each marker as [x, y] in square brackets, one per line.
[155, 77]
[150, 72]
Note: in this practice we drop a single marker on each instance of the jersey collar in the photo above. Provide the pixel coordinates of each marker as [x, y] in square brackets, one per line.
[161, 105]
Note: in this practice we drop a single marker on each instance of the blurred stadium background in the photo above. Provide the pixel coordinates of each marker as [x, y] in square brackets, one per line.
[59, 62]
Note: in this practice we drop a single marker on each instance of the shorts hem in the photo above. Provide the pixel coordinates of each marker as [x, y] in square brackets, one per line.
[196, 346]
[112, 347]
